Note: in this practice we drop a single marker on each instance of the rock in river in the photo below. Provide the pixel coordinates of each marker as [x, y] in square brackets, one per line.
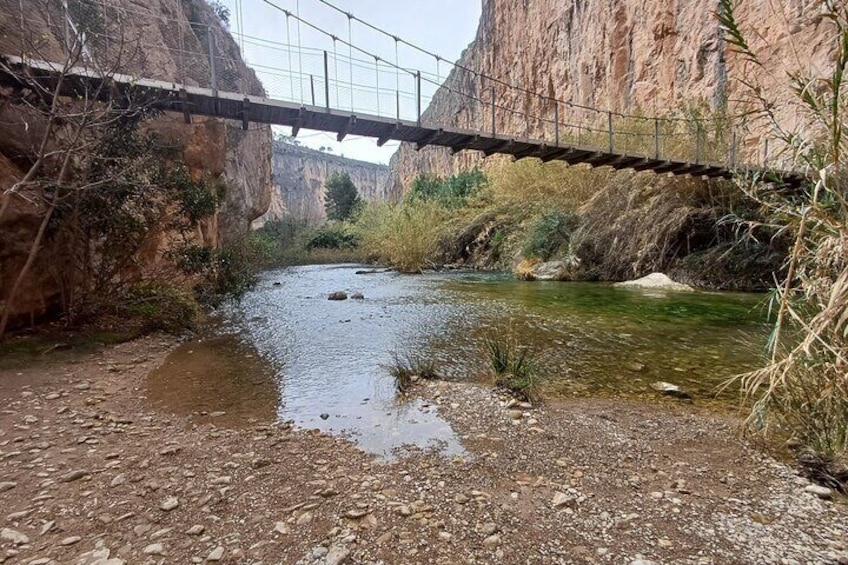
[338, 295]
[669, 389]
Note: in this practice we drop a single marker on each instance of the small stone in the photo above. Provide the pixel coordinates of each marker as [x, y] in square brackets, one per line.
[669, 389]
[169, 503]
[357, 296]
[196, 530]
[492, 541]
[73, 476]
[337, 555]
[489, 529]
[444, 536]
[282, 528]
[154, 549]
[118, 480]
[324, 416]
[304, 518]
[820, 491]
[460, 498]
[70, 540]
[216, 554]
[142, 529]
[7, 485]
[515, 414]
[564, 500]
[14, 536]
[642, 562]
[356, 513]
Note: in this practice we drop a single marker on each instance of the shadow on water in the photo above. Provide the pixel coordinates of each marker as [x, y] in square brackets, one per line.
[323, 363]
[221, 378]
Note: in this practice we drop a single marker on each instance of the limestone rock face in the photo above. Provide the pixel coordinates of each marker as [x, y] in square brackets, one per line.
[155, 42]
[620, 55]
[300, 174]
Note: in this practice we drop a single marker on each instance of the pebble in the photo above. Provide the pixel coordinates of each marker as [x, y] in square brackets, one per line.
[169, 503]
[7, 485]
[196, 530]
[216, 554]
[73, 476]
[337, 555]
[154, 549]
[492, 540]
[515, 414]
[14, 536]
[282, 528]
[820, 491]
[561, 499]
[70, 540]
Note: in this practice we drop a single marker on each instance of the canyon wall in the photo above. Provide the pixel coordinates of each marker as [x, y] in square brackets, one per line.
[624, 56]
[159, 39]
[299, 177]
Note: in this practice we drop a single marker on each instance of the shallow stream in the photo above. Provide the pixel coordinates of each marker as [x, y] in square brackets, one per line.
[287, 352]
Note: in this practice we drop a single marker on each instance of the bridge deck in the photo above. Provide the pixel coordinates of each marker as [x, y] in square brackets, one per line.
[192, 100]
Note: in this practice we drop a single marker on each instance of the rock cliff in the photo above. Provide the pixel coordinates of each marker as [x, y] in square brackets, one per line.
[300, 174]
[618, 55]
[159, 39]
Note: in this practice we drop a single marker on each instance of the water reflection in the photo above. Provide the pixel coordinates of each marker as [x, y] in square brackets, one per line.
[325, 360]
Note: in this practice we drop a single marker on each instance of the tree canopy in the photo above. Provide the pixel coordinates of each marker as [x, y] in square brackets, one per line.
[340, 197]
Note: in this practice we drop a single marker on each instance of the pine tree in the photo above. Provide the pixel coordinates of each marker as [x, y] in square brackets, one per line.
[340, 197]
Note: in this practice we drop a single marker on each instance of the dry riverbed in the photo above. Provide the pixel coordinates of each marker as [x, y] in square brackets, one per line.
[92, 473]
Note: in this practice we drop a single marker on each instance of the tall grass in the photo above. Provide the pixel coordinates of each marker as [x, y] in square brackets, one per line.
[405, 236]
[514, 366]
[803, 390]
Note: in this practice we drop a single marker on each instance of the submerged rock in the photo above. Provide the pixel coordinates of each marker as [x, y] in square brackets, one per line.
[656, 280]
[357, 296]
[669, 389]
[546, 271]
[338, 295]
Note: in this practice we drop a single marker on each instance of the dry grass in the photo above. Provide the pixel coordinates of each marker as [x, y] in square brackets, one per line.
[803, 390]
[405, 236]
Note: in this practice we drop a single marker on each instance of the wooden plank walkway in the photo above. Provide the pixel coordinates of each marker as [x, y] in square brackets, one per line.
[191, 100]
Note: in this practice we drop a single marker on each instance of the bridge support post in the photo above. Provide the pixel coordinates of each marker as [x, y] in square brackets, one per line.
[733, 150]
[657, 139]
[418, 95]
[327, 80]
[556, 121]
[698, 143]
[609, 129]
[213, 74]
[312, 88]
[494, 113]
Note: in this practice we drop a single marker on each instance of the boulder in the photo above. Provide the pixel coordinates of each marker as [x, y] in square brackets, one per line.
[655, 280]
[338, 295]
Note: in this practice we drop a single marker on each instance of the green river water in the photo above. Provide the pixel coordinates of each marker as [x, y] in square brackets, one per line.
[286, 352]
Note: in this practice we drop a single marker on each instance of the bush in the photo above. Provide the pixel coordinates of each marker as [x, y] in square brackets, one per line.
[549, 233]
[162, 306]
[332, 236]
[514, 366]
[452, 192]
[408, 367]
[406, 237]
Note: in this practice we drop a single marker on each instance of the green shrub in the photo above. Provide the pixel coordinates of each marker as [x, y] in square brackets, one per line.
[514, 366]
[341, 197]
[162, 306]
[406, 237]
[548, 234]
[406, 368]
[332, 236]
[452, 192]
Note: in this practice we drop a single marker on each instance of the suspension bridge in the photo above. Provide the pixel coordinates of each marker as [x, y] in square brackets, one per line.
[366, 94]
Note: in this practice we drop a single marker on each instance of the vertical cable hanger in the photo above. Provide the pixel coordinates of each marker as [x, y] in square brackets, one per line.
[291, 71]
[350, 54]
[299, 51]
[397, 79]
[377, 71]
[336, 69]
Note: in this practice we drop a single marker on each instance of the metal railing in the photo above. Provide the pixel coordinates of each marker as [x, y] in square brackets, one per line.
[136, 42]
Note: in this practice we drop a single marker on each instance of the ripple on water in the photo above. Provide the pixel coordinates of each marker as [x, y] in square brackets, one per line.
[300, 356]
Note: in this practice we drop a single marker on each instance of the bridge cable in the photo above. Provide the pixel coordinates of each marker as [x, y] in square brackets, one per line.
[299, 52]
[291, 68]
[500, 81]
[350, 55]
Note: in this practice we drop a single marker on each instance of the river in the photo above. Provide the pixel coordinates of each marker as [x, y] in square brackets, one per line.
[286, 352]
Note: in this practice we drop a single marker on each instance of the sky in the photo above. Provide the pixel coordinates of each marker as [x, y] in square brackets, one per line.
[285, 56]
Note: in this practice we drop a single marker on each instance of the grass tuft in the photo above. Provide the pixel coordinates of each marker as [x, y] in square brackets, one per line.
[514, 366]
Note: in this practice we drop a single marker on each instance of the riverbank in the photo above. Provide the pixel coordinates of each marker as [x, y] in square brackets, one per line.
[90, 467]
